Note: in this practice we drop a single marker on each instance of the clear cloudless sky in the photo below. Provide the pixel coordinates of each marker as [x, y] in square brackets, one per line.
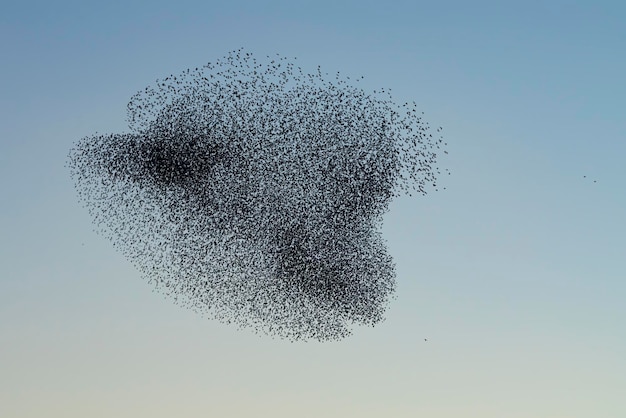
[515, 273]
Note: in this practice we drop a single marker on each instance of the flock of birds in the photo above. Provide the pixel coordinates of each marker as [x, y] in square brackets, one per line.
[253, 192]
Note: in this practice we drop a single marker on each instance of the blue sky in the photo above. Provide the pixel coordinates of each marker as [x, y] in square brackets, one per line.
[514, 273]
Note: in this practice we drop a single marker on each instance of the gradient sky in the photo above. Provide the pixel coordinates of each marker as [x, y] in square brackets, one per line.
[515, 273]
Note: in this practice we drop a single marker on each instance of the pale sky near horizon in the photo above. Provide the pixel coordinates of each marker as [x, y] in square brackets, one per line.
[515, 273]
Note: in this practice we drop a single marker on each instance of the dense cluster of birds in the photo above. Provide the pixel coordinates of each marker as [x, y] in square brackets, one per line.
[253, 193]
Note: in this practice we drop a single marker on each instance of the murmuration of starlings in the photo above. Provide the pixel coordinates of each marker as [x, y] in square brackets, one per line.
[253, 192]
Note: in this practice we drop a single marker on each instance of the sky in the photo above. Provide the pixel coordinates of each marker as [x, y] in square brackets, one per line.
[514, 274]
